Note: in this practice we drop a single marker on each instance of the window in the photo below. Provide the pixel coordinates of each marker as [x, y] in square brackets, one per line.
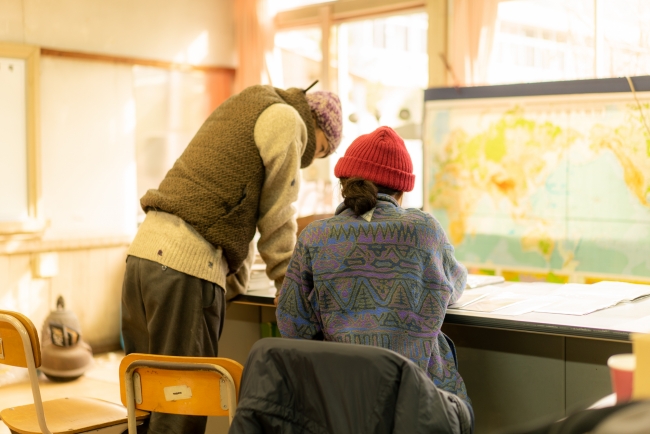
[170, 107]
[380, 81]
[19, 141]
[379, 69]
[548, 40]
[297, 58]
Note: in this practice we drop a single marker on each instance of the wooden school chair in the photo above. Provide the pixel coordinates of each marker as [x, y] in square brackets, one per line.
[192, 386]
[20, 347]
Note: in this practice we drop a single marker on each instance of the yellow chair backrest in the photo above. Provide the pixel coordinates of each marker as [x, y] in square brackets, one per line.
[179, 385]
[12, 350]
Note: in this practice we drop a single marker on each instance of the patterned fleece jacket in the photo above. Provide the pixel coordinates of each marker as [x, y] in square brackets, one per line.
[383, 279]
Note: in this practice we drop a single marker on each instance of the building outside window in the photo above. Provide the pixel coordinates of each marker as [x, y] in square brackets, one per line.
[379, 69]
[549, 40]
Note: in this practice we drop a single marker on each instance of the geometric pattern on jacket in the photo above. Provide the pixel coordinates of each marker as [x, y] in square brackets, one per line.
[385, 283]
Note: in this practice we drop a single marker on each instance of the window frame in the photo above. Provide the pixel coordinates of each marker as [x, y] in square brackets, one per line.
[33, 225]
[326, 15]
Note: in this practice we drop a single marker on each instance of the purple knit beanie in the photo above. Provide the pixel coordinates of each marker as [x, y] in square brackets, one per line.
[327, 109]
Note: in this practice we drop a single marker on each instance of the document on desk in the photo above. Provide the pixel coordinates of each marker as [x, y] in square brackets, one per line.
[469, 297]
[625, 291]
[478, 280]
[581, 299]
[528, 305]
[515, 299]
[260, 285]
[567, 299]
[494, 301]
[577, 304]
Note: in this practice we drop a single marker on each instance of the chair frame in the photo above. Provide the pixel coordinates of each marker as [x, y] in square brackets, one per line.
[31, 368]
[132, 384]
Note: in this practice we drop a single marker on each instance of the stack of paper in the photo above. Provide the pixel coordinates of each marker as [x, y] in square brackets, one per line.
[530, 304]
[515, 299]
[575, 305]
[259, 283]
[469, 297]
[580, 299]
[476, 280]
[568, 299]
[495, 301]
[626, 291]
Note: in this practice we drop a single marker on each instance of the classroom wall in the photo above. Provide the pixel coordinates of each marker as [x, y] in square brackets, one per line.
[88, 141]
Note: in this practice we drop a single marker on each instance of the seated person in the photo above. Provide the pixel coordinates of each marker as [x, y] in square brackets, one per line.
[376, 273]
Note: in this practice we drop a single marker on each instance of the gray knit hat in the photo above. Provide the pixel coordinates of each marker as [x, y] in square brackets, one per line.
[326, 106]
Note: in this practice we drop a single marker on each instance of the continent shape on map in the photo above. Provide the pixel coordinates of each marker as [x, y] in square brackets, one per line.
[502, 175]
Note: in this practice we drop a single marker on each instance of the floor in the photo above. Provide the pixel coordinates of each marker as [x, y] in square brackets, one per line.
[100, 381]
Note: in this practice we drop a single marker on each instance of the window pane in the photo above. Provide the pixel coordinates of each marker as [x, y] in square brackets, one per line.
[548, 40]
[623, 38]
[297, 58]
[296, 62]
[170, 107]
[542, 40]
[381, 69]
[13, 141]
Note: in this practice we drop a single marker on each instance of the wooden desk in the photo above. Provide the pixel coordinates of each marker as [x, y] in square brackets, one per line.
[612, 324]
[536, 367]
[254, 300]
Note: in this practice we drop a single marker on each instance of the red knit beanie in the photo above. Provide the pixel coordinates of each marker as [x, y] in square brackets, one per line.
[380, 157]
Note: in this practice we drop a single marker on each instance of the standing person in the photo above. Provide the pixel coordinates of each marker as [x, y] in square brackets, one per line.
[376, 273]
[241, 171]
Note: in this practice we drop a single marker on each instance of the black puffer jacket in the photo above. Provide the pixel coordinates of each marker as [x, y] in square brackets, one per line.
[296, 386]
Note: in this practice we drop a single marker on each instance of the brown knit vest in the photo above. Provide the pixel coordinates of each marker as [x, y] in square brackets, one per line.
[215, 184]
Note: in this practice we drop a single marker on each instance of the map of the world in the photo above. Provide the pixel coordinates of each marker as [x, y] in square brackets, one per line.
[556, 183]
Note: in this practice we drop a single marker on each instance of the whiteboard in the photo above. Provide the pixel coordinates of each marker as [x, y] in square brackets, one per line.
[14, 195]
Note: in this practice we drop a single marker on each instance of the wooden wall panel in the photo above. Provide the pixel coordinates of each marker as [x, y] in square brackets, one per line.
[89, 279]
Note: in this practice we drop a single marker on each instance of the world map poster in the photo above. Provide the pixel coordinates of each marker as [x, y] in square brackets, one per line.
[549, 182]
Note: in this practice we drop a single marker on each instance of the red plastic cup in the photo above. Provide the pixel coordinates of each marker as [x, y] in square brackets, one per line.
[621, 369]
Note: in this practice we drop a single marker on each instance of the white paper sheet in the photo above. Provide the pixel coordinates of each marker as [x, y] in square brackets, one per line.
[578, 305]
[627, 291]
[478, 280]
[467, 298]
[529, 305]
[537, 288]
[259, 284]
[495, 301]
[475, 295]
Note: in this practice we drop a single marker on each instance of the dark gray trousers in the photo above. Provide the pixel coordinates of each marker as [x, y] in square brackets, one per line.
[170, 313]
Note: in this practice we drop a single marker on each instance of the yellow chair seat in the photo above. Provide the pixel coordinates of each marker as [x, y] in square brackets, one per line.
[67, 415]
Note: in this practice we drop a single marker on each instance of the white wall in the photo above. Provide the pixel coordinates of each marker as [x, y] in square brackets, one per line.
[88, 136]
[88, 148]
[87, 108]
[154, 29]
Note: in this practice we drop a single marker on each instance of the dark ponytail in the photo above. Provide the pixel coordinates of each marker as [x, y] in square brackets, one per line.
[360, 195]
